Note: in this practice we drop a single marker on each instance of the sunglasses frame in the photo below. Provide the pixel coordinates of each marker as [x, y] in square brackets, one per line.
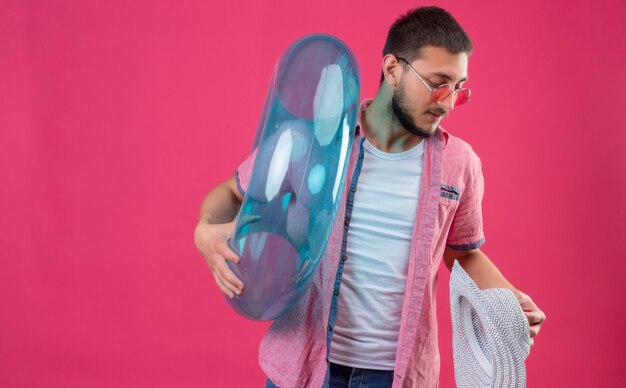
[444, 95]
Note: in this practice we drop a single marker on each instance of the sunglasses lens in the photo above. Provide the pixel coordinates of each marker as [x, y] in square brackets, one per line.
[462, 96]
[441, 93]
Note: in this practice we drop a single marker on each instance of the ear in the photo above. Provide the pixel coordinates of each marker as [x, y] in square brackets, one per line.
[391, 69]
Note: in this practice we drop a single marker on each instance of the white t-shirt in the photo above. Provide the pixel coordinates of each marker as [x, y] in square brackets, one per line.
[374, 275]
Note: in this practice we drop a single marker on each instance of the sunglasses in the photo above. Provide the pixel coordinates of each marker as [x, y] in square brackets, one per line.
[441, 92]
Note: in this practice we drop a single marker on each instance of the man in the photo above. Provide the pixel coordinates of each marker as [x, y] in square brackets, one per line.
[413, 196]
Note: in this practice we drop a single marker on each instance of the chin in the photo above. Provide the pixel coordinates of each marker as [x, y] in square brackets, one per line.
[432, 130]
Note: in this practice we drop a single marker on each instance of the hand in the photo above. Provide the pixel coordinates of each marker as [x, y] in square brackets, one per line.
[211, 241]
[535, 316]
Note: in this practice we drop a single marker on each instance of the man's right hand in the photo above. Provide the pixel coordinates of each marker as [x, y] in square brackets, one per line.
[212, 242]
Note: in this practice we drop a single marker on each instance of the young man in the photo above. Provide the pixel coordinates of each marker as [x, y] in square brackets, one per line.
[413, 197]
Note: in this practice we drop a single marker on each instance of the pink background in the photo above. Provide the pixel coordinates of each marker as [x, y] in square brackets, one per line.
[117, 117]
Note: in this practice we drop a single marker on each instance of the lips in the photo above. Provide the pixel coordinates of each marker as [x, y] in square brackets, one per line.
[433, 115]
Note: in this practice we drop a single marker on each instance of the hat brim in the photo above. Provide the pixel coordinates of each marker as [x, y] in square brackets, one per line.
[490, 334]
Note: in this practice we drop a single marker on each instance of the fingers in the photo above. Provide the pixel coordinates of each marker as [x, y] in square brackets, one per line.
[526, 302]
[535, 320]
[228, 275]
[227, 281]
[228, 254]
[534, 331]
[211, 241]
[535, 317]
[226, 288]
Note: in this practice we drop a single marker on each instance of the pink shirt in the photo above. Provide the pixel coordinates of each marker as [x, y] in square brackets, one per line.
[294, 351]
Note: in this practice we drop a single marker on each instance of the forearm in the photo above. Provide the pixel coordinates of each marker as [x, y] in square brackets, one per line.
[483, 272]
[221, 204]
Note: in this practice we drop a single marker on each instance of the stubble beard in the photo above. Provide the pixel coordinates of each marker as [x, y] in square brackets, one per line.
[403, 117]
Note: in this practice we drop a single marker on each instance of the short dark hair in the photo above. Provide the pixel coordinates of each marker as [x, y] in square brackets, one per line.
[425, 26]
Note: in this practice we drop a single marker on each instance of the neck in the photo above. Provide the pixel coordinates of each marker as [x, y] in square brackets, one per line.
[382, 129]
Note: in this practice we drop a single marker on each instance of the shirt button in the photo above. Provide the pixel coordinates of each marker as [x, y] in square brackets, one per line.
[344, 257]
[336, 292]
[347, 222]
[361, 156]
[330, 328]
[353, 189]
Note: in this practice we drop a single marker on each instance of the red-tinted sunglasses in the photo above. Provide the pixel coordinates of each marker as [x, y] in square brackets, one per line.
[441, 92]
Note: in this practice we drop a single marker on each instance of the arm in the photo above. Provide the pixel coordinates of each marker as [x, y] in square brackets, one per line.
[486, 275]
[478, 266]
[221, 204]
[466, 235]
[214, 228]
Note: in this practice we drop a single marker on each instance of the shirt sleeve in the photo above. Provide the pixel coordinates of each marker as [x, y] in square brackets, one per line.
[466, 232]
[244, 171]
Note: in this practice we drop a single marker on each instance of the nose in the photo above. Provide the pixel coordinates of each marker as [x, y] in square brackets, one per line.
[447, 102]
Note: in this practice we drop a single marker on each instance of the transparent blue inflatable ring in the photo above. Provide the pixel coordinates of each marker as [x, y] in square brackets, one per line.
[302, 148]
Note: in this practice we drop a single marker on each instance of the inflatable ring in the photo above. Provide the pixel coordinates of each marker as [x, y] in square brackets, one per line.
[301, 154]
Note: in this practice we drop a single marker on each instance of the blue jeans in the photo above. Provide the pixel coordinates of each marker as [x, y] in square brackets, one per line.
[348, 377]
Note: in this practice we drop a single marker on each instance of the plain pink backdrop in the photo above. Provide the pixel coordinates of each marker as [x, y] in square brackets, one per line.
[117, 117]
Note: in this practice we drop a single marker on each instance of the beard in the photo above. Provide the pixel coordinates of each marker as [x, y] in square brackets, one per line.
[403, 117]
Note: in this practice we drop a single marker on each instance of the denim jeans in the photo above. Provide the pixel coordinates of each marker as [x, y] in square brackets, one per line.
[348, 377]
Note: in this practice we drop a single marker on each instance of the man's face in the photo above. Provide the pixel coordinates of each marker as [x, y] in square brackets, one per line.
[411, 101]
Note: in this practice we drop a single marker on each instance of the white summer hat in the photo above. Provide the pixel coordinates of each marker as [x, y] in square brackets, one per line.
[490, 334]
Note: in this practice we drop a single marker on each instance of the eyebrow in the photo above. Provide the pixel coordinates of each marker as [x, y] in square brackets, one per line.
[447, 77]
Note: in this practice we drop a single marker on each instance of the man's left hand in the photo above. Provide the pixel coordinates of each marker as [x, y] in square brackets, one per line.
[535, 316]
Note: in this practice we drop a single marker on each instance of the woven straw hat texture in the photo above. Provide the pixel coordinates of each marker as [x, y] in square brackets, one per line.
[490, 335]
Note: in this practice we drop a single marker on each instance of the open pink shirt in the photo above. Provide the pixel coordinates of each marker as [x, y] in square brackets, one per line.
[293, 352]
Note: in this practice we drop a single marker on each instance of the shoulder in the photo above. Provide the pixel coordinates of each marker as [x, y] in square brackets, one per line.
[459, 154]
[460, 165]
